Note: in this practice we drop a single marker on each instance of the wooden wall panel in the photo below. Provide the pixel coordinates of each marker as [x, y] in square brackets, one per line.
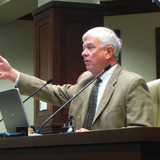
[43, 63]
[72, 61]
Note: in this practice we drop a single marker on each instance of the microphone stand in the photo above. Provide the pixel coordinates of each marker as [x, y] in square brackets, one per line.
[105, 69]
[48, 82]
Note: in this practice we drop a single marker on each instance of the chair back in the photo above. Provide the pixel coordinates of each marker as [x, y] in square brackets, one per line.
[154, 87]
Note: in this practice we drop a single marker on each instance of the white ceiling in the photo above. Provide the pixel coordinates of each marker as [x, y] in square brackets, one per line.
[11, 10]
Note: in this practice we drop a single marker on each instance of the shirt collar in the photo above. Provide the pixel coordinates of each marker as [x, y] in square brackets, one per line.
[108, 73]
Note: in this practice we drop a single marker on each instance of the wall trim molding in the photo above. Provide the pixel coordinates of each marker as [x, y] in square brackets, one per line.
[121, 7]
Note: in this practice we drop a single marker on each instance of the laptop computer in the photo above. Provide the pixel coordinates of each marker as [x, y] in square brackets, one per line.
[12, 110]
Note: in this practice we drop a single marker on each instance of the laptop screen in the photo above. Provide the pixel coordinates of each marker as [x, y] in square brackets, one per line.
[12, 110]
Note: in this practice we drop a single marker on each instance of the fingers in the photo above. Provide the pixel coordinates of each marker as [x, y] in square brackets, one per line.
[1, 58]
[6, 71]
[4, 65]
[82, 130]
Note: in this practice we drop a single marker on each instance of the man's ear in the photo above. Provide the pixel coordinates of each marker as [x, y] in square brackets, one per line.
[110, 51]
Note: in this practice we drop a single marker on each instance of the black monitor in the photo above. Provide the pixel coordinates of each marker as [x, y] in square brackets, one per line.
[157, 2]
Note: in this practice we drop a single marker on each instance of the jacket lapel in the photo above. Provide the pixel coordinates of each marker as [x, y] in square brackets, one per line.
[108, 92]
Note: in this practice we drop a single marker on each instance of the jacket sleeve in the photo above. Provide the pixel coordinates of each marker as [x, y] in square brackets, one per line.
[139, 109]
[53, 94]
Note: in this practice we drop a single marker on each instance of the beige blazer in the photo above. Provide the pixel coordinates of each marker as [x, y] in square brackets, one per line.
[125, 102]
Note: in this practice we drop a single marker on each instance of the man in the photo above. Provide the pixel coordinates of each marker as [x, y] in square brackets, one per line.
[123, 97]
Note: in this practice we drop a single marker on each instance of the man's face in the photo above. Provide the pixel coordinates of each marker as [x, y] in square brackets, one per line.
[94, 55]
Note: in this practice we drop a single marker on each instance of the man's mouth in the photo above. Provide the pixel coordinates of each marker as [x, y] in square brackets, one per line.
[86, 61]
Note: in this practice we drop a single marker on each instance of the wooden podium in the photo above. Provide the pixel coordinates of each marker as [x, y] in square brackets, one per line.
[141, 143]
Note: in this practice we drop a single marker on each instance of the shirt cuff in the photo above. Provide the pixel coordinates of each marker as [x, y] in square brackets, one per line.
[16, 82]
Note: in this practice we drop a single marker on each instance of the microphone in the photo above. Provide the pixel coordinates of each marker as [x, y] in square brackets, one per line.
[105, 69]
[48, 82]
[70, 119]
[68, 129]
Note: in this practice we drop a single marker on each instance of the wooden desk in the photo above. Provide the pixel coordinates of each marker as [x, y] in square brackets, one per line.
[117, 144]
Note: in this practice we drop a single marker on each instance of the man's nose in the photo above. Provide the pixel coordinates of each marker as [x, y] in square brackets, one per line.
[84, 53]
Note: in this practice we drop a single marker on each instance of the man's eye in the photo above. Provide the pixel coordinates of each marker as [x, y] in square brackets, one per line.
[90, 48]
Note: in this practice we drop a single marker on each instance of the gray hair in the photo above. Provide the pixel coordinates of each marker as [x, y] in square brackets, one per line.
[107, 37]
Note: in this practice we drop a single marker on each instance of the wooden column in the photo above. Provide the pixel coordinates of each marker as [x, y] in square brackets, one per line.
[58, 30]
